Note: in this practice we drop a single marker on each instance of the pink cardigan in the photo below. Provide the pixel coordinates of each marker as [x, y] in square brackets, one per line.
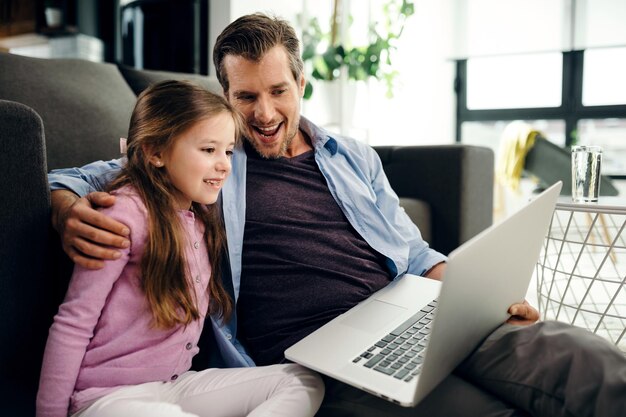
[102, 337]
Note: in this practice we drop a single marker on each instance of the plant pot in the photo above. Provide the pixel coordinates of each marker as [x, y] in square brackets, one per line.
[54, 17]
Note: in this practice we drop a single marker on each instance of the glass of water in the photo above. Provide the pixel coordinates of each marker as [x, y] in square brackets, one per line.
[586, 164]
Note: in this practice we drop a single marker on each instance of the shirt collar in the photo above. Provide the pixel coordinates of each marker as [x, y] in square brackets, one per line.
[320, 138]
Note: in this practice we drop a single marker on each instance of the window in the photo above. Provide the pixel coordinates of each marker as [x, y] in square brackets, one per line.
[603, 77]
[572, 97]
[508, 82]
[489, 133]
[609, 133]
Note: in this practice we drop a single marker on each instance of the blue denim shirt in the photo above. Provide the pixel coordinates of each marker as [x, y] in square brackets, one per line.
[356, 180]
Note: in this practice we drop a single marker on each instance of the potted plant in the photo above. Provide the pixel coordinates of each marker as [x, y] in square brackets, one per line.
[327, 55]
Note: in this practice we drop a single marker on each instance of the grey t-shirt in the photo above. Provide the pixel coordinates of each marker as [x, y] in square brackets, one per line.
[303, 263]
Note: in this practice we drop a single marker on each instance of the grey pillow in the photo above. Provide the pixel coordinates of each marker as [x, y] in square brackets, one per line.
[85, 106]
[138, 80]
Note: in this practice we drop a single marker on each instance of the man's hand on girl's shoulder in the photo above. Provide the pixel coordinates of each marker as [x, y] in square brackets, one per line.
[88, 236]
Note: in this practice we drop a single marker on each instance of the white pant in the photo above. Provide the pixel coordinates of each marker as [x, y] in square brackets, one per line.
[278, 390]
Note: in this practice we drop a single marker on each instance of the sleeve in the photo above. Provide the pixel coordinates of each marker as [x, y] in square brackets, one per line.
[82, 181]
[74, 324]
[421, 257]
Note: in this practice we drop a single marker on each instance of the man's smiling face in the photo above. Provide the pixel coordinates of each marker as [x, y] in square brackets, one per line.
[269, 98]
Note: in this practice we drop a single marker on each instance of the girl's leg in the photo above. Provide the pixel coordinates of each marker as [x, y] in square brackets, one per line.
[278, 390]
[145, 400]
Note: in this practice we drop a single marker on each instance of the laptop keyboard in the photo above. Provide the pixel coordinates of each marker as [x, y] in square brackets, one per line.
[400, 353]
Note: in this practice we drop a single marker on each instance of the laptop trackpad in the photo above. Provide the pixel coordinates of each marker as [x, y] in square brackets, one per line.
[372, 316]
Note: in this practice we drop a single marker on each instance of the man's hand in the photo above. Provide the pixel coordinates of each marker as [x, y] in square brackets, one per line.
[522, 314]
[88, 236]
[436, 272]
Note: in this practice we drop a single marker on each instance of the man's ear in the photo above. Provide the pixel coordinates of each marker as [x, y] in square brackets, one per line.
[302, 85]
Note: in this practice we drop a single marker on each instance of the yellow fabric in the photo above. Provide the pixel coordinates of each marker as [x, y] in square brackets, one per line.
[517, 139]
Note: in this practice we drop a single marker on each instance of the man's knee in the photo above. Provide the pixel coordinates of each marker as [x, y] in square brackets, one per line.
[550, 368]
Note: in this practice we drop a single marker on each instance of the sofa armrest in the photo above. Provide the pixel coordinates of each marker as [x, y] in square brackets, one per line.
[26, 283]
[455, 180]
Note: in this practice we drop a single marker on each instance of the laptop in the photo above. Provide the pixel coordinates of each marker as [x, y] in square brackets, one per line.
[406, 338]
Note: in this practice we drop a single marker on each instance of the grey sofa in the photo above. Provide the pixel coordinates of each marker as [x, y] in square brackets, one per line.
[62, 113]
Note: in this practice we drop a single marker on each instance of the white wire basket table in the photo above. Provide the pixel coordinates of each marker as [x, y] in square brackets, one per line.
[581, 272]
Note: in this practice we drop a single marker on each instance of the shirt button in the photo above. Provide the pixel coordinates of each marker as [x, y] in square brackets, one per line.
[198, 279]
[196, 245]
[188, 346]
[229, 336]
[174, 377]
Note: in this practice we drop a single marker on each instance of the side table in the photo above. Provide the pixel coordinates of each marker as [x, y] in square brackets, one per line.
[581, 271]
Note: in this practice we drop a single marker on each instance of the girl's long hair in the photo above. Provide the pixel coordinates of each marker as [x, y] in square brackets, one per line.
[164, 111]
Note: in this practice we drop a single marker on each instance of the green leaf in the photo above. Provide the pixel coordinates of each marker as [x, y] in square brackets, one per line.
[308, 90]
[407, 8]
[308, 52]
[333, 58]
[318, 75]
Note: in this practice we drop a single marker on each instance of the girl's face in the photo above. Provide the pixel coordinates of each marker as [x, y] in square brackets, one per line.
[199, 160]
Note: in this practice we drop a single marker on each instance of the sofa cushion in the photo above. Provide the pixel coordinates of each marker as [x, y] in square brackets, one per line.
[455, 180]
[85, 106]
[138, 80]
[419, 212]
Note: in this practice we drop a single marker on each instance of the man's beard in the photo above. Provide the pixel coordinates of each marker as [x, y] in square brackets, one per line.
[282, 150]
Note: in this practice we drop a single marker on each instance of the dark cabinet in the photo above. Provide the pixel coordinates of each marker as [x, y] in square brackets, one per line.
[169, 35]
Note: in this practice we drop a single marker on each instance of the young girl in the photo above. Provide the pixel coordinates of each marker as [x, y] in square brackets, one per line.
[123, 339]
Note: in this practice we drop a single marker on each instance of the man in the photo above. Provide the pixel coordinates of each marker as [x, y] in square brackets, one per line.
[313, 228]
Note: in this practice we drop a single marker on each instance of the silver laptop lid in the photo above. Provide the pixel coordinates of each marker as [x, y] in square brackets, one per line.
[484, 277]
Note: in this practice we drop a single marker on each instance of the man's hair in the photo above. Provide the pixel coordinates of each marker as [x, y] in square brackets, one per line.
[162, 112]
[251, 37]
